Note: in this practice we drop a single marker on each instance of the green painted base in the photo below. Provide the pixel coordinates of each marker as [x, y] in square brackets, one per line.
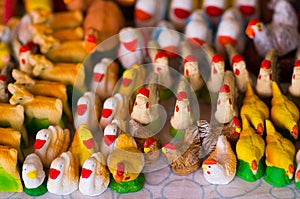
[297, 185]
[276, 177]
[177, 134]
[243, 171]
[34, 125]
[40, 190]
[127, 187]
[8, 183]
[165, 93]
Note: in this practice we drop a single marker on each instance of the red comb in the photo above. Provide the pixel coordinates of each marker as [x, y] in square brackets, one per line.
[265, 64]
[190, 58]
[144, 91]
[224, 89]
[237, 58]
[254, 21]
[217, 58]
[181, 96]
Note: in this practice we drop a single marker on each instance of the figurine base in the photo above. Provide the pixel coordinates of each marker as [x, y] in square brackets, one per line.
[276, 177]
[297, 185]
[35, 125]
[177, 134]
[127, 187]
[40, 190]
[243, 171]
[9, 183]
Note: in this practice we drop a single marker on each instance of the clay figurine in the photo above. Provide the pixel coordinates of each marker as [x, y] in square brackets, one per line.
[12, 138]
[192, 72]
[264, 80]
[179, 13]
[217, 73]
[297, 173]
[295, 82]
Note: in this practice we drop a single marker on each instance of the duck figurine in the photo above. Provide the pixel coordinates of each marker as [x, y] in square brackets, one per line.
[179, 12]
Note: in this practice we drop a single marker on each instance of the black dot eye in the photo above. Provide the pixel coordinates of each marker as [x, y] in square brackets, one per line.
[208, 166]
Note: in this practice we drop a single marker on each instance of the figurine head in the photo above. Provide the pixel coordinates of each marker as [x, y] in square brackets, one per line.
[33, 174]
[83, 105]
[181, 10]
[238, 64]
[149, 145]
[142, 98]
[110, 133]
[86, 137]
[161, 62]
[100, 69]
[254, 26]
[211, 168]
[190, 65]
[218, 66]
[19, 94]
[22, 77]
[88, 168]
[248, 7]
[169, 150]
[194, 37]
[42, 139]
[265, 72]
[144, 10]
[214, 8]
[129, 38]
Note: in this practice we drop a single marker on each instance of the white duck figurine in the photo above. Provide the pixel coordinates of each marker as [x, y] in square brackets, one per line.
[33, 174]
[248, 8]
[87, 112]
[131, 49]
[264, 79]
[220, 166]
[241, 73]
[198, 21]
[192, 72]
[107, 143]
[24, 53]
[50, 143]
[115, 107]
[161, 67]
[295, 82]
[63, 175]
[179, 12]
[217, 73]
[169, 41]
[94, 177]
[149, 13]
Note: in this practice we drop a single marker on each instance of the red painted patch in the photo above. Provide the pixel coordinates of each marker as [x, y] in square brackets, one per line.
[230, 101]
[208, 172]
[215, 70]
[54, 173]
[23, 61]
[2, 78]
[109, 139]
[81, 109]
[181, 13]
[214, 11]
[294, 76]
[259, 77]
[270, 77]
[186, 72]
[235, 134]
[158, 69]
[148, 142]
[141, 15]
[106, 112]
[98, 77]
[135, 103]
[131, 45]
[126, 82]
[177, 108]
[39, 143]
[195, 42]
[120, 169]
[219, 102]
[247, 10]
[147, 105]
[237, 72]
[85, 173]
[89, 143]
[127, 178]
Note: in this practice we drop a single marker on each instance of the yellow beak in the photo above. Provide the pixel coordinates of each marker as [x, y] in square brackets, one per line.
[32, 174]
[238, 129]
[164, 150]
[204, 167]
[147, 150]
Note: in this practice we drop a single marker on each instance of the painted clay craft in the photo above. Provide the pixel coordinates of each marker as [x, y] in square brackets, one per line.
[111, 18]
[250, 151]
[198, 20]
[284, 113]
[161, 67]
[169, 41]
[149, 13]
[182, 117]
[39, 63]
[249, 9]
[33, 176]
[24, 53]
[214, 9]
[220, 166]
[125, 164]
[88, 112]
[9, 170]
[36, 107]
[230, 31]
[255, 110]
[295, 82]
[83, 144]
[12, 138]
[192, 72]
[226, 104]
[13, 116]
[180, 12]
[45, 42]
[51, 143]
[105, 77]
[110, 134]
[63, 175]
[94, 177]
[297, 173]
[131, 50]
[44, 88]
[217, 73]
[276, 35]
[280, 154]
[115, 108]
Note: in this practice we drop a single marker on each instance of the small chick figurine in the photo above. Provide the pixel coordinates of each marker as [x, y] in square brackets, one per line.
[264, 80]
[280, 154]
[50, 143]
[284, 113]
[217, 73]
[295, 82]
[250, 150]
[63, 175]
[84, 144]
[220, 166]
[33, 176]
[182, 117]
[192, 73]
[94, 177]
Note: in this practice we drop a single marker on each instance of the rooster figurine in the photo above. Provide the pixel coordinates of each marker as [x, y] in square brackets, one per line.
[94, 177]
[295, 82]
[264, 80]
[217, 73]
[241, 73]
[220, 166]
[250, 151]
[280, 154]
[284, 113]
[125, 164]
[192, 72]
[161, 67]
[179, 12]
[284, 38]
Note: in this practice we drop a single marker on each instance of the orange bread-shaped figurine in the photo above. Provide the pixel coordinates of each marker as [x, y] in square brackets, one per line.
[103, 20]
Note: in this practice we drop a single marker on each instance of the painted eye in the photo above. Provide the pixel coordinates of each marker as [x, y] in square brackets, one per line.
[258, 26]
[20, 98]
[167, 150]
[126, 172]
[209, 166]
[61, 166]
[93, 165]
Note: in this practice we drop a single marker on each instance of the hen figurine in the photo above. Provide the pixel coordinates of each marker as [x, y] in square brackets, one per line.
[264, 80]
[241, 73]
[83, 144]
[295, 82]
[50, 143]
[280, 154]
[220, 166]
[63, 175]
[217, 73]
[33, 176]
[255, 110]
[284, 38]
[192, 72]
[284, 113]
[125, 164]
[250, 150]
[179, 12]
[94, 177]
